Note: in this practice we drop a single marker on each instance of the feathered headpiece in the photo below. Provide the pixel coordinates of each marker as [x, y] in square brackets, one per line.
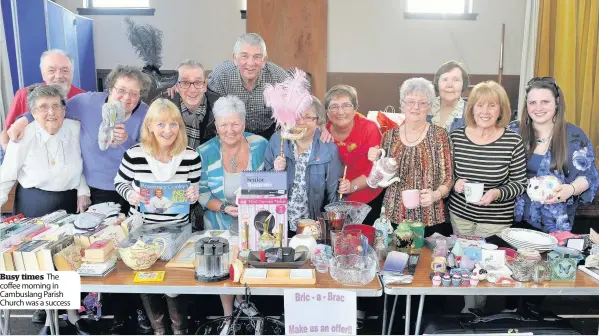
[289, 99]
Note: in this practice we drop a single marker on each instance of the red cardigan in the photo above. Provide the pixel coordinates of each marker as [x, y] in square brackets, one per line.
[353, 152]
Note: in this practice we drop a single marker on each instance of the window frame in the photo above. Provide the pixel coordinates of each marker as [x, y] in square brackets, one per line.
[89, 9]
[467, 13]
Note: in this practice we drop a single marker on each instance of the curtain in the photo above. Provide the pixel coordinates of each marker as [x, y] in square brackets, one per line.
[529, 44]
[567, 42]
[6, 93]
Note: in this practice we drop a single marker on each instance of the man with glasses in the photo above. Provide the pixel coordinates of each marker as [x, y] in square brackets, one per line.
[192, 97]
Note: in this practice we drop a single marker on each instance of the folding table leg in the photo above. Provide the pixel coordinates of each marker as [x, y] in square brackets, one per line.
[419, 316]
[56, 328]
[392, 315]
[384, 314]
[49, 312]
[408, 311]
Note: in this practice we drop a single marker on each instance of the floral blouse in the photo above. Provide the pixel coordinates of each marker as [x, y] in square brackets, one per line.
[427, 165]
[298, 197]
[560, 216]
[454, 121]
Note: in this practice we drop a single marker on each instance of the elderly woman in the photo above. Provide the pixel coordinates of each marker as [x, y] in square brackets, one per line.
[313, 167]
[47, 164]
[556, 148]
[451, 80]
[423, 153]
[162, 156]
[224, 158]
[126, 85]
[354, 135]
[486, 152]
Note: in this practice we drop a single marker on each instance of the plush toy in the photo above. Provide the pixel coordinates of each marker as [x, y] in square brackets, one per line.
[113, 113]
[541, 188]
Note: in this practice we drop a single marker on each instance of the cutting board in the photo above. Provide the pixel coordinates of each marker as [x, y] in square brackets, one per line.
[280, 277]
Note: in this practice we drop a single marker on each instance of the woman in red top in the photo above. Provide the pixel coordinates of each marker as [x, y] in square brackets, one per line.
[354, 135]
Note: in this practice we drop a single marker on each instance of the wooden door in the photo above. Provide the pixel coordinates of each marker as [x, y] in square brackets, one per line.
[295, 32]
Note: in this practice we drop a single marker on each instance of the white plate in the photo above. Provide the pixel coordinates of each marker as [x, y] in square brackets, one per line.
[530, 236]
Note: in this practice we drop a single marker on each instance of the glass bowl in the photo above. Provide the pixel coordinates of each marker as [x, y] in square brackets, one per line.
[353, 269]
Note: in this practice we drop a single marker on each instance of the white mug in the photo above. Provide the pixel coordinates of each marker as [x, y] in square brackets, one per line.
[474, 192]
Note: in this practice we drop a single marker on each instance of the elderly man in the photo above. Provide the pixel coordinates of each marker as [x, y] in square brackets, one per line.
[57, 69]
[245, 76]
[192, 97]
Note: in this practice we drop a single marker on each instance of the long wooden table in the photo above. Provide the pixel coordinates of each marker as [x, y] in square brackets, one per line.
[182, 281]
[422, 286]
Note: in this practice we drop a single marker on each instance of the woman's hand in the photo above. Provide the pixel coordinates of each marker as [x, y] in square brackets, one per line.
[83, 202]
[344, 186]
[232, 210]
[136, 198]
[374, 153]
[489, 197]
[192, 194]
[280, 163]
[119, 133]
[17, 130]
[428, 197]
[459, 185]
[562, 193]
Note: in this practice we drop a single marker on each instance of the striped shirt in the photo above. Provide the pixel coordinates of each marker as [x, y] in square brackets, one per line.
[137, 166]
[225, 79]
[499, 165]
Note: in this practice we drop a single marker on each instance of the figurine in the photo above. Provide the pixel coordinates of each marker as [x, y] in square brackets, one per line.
[380, 247]
[383, 226]
[451, 260]
[403, 237]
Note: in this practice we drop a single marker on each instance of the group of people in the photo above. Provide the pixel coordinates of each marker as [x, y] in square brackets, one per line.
[206, 131]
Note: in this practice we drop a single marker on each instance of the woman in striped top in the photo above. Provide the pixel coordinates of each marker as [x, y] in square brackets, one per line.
[486, 152]
[162, 156]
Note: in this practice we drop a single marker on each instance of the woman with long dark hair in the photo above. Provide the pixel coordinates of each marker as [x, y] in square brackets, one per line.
[554, 147]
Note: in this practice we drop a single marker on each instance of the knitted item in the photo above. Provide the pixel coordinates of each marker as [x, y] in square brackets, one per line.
[113, 113]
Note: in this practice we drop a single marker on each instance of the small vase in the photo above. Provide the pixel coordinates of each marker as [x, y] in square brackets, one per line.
[306, 240]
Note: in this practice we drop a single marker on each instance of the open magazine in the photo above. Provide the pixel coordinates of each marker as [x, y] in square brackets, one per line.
[165, 197]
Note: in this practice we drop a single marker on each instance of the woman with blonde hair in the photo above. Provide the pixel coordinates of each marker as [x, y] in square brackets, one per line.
[486, 152]
[162, 156]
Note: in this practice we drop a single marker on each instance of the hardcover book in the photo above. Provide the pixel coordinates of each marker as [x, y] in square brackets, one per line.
[165, 197]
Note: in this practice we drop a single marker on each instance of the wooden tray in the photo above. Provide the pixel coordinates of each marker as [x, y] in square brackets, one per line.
[185, 258]
[279, 277]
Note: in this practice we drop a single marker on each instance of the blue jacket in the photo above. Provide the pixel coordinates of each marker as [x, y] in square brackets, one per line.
[212, 178]
[322, 174]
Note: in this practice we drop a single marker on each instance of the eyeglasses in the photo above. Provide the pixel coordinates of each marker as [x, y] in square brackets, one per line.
[197, 84]
[123, 92]
[410, 103]
[308, 118]
[46, 108]
[224, 126]
[346, 107]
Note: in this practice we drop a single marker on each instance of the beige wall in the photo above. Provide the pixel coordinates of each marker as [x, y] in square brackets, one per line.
[202, 29]
[363, 35]
[373, 36]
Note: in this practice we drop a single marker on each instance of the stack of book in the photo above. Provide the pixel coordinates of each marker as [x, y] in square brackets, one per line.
[99, 259]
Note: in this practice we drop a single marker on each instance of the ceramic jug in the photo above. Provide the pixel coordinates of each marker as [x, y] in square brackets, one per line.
[306, 240]
[383, 172]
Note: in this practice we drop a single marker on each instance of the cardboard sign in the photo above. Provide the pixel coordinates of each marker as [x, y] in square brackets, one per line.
[320, 311]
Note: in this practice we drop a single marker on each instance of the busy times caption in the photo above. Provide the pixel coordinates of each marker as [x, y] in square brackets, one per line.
[34, 290]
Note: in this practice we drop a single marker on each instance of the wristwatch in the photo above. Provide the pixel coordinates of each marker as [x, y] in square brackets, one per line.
[223, 205]
[355, 188]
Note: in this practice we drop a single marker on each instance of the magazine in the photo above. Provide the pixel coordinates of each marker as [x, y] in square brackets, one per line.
[165, 197]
